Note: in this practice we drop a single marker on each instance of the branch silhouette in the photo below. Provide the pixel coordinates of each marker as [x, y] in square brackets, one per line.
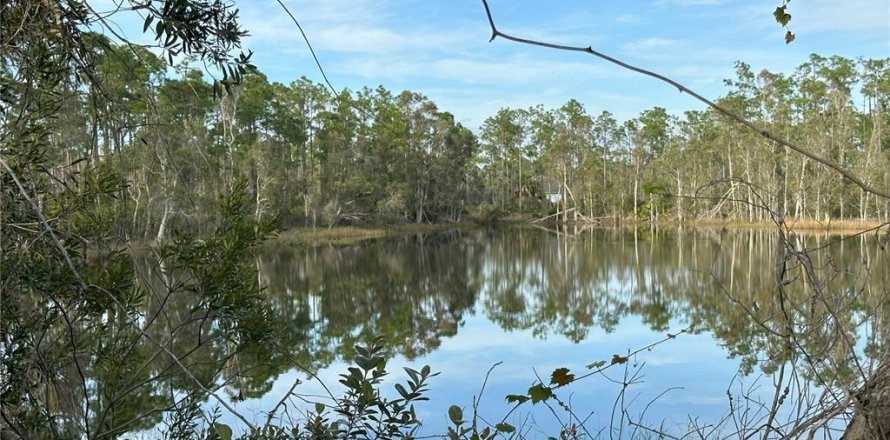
[495, 33]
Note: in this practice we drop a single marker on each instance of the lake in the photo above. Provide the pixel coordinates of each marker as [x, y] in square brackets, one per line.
[530, 300]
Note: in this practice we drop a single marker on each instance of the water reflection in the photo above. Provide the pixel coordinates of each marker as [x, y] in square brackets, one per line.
[416, 290]
[419, 291]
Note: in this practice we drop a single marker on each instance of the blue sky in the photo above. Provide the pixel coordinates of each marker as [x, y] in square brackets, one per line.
[441, 48]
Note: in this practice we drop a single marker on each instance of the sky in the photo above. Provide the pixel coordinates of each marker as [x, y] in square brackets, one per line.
[441, 48]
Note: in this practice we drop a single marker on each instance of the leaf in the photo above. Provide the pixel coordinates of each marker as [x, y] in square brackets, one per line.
[789, 37]
[159, 29]
[516, 398]
[616, 359]
[540, 393]
[148, 21]
[504, 427]
[486, 433]
[561, 377]
[781, 15]
[597, 364]
[456, 415]
[402, 391]
[319, 407]
[223, 431]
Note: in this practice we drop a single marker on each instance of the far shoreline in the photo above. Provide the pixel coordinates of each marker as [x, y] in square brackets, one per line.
[348, 235]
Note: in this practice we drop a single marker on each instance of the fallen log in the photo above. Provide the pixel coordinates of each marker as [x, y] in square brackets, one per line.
[553, 215]
[871, 419]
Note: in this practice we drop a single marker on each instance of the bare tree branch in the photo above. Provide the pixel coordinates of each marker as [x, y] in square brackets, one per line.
[495, 33]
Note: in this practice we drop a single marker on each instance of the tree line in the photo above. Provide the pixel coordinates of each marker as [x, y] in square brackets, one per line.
[314, 157]
[701, 165]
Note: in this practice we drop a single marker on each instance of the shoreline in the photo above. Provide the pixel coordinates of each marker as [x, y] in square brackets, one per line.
[347, 235]
[832, 226]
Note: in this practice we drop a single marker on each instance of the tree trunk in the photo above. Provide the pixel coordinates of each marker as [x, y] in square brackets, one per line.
[872, 418]
[165, 220]
[679, 197]
[420, 198]
[520, 181]
[565, 200]
[636, 185]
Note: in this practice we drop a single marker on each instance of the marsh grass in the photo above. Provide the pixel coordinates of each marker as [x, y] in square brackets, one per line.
[347, 235]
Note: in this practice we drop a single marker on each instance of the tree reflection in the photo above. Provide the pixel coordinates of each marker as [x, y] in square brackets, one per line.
[417, 290]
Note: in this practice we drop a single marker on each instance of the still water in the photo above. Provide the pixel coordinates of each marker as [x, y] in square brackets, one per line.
[533, 300]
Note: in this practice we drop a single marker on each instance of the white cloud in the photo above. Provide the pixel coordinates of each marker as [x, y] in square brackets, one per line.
[849, 15]
[357, 26]
[630, 19]
[649, 44]
[373, 40]
[514, 71]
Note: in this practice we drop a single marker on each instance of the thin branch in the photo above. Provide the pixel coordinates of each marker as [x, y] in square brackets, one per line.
[683, 89]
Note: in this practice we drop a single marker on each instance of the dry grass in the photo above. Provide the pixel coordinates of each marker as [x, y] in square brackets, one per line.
[320, 236]
[802, 225]
[346, 235]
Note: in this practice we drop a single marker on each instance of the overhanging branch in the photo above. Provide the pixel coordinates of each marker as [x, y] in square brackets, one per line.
[495, 33]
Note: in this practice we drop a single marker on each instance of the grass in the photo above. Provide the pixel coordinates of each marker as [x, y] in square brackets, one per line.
[840, 226]
[346, 235]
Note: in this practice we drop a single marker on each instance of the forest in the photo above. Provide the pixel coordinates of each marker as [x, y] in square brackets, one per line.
[311, 157]
[138, 184]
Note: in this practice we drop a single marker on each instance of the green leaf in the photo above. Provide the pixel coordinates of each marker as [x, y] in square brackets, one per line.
[319, 407]
[402, 391]
[504, 427]
[223, 431]
[456, 415]
[782, 16]
[516, 398]
[413, 373]
[540, 393]
[561, 377]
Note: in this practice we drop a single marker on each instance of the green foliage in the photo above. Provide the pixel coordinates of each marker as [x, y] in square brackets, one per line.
[219, 272]
[456, 415]
[561, 377]
[208, 30]
[506, 428]
[517, 398]
[540, 393]
[781, 15]
[362, 412]
[101, 147]
[784, 18]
